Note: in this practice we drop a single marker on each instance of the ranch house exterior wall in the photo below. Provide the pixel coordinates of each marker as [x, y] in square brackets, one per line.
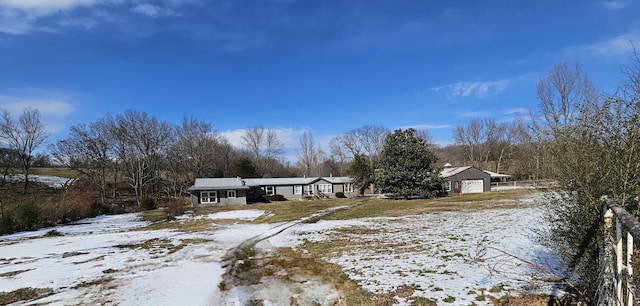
[224, 191]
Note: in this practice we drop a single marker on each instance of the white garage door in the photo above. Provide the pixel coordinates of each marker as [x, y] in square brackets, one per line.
[472, 186]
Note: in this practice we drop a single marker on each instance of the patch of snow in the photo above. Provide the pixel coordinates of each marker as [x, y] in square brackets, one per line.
[249, 215]
[51, 181]
[455, 254]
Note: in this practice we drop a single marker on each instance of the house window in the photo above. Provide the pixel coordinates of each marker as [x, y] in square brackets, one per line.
[325, 188]
[250, 190]
[348, 188]
[297, 189]
[209, 197]
[447, 186]
[270, 190]
[231, 194]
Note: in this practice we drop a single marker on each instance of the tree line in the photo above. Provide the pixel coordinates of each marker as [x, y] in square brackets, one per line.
[157, 158]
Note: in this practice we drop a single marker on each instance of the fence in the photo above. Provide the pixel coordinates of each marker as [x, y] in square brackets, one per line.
[531, 184]
[616, 276]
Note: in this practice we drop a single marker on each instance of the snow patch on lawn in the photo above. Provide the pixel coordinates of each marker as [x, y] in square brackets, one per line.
[248, 215]
[440, 255]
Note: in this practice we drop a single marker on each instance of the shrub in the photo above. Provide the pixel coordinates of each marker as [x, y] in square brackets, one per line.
[176, 207]
[53, 233]
[277, 197]
[340, 195]
[7, 224]
[28, 216]
[147, 202]
[100, 209]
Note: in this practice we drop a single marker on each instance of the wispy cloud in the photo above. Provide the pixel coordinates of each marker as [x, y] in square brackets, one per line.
[425, 126]
[46, 7]
[471, 89]
[153, 11]
[615, 5]
[516, 111]
[21, 16]
[25, 16]
[146, 9]
[53, 112]
[620, 45]
[46, 107]
[476, 114]
[289, 136]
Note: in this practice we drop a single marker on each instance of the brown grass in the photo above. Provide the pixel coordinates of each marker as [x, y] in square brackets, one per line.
[393, 208]
[61, 172]
[13, 273]
[531, 300]
[23, 295]
[297, 264]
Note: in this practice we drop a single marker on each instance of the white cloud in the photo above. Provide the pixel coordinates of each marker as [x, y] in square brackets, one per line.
[475, 114]
[46, 5]
[147, 9]
[46, 107]
[616, 46]
[21, 16]
[53, 112]
[516, 111]
[24, 16]
[614, 5]
[425, 126]
[153, 11]
[289, 136]
[472, 89]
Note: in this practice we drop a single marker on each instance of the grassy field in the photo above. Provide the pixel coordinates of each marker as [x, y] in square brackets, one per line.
[360, 207]
[375, 207]
[61, 172]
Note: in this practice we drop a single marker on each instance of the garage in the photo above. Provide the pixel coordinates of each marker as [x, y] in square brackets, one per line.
[472, 186]
[466, 179]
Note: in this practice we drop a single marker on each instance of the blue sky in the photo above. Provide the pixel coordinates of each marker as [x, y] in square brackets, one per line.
[325, 66]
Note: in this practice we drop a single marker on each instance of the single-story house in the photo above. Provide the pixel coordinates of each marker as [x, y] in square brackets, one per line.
[237, 191]
[466, 179]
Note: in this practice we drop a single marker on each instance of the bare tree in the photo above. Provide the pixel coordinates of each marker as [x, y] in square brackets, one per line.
[9, 160]
[89, 150]
[340, 154]
[23, 135]
[195, 151]
[489, 144]
[142, 141]
[561, 94]
[265, 147]
[307, 154]
[367, 140]
[473, 136]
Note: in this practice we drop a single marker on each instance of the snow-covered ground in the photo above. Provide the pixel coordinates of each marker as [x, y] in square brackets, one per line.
[107, 260]
[51, 181]
[461, 255]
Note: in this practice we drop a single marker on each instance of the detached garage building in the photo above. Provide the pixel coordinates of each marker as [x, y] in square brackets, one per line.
[469, 179]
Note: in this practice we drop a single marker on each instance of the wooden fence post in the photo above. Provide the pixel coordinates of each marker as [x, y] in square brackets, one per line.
[606, 296]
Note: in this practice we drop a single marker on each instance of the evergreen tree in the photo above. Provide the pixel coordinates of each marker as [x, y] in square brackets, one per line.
[362, 173]
[246, 169]
[407, 166]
